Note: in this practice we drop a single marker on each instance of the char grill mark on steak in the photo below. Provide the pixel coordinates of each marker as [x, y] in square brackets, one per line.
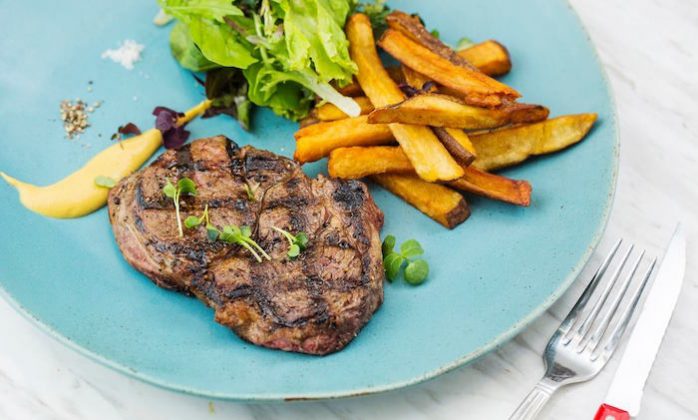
[315, 303]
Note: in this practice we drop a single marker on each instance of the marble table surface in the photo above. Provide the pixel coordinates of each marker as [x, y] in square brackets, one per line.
[649, 50]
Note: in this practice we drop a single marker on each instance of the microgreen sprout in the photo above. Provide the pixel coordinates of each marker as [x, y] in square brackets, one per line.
[296, 243]
[464, 43]
[184, 186]
[194, 221]
[250, 190]
[238, 235]
[416, 270]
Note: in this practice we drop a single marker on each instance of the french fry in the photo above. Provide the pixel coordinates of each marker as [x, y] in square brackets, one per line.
[454, 140]
[429, 157]
[490, 57]
[447, 111]
[457, 143]
[352, 89]
[415, 79]
[411, 27]
[436, 201]
[317, 141]
[359, 162]
[510, 146]
[329, 112]
[410, 43]
[493, 186]
[468, 83]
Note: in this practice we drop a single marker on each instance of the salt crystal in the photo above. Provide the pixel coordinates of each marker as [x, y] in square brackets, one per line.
[128, 53]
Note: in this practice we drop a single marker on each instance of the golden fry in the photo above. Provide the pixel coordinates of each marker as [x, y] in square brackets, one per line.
[410, 43]
[436, 201]
[429, 157]
[510, 146]
[447, 111]
[490, 57]
[317, 141]
[492, 186]
[457, 143]
[352, 89]
[359, 162]
[454, 140]
[411, 27]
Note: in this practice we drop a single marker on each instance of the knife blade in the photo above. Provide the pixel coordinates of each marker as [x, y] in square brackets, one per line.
[625, 394]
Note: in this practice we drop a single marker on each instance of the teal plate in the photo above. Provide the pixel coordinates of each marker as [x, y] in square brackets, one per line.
[490, 277]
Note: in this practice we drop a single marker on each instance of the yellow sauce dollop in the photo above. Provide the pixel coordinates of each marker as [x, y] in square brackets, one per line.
[77, 194]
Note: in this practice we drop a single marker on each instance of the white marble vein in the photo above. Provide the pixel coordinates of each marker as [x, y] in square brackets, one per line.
[649, 50]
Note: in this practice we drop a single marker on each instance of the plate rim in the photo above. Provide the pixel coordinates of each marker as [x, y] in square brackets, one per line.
[464, 360]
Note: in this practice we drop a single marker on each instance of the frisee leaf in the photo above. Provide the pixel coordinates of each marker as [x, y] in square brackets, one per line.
[104, 181]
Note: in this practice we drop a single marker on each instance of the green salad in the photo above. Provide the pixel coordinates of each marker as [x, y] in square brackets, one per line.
[281, 54]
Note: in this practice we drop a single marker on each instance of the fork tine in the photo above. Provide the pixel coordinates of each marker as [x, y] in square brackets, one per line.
[600, 330]
[571, 318]
[624, 319]
[584, 329]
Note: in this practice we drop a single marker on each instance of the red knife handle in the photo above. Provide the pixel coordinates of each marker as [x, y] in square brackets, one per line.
[609, 412]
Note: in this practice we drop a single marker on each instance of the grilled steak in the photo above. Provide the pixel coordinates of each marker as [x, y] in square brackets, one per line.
[315, 303]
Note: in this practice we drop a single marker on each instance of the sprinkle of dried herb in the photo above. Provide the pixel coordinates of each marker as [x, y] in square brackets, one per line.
[74, 117]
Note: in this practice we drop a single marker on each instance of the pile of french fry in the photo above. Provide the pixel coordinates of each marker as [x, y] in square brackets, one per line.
[432, 128]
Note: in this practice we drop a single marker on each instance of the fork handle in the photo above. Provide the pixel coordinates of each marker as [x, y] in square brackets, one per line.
[535, 400]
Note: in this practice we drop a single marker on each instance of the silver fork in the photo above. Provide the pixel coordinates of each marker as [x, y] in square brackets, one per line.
[584, 342]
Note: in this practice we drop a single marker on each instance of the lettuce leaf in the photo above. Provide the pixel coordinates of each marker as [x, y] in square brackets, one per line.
[289, 50]
[186, 52]
[315, 38]
[207, 9]
[207, 26]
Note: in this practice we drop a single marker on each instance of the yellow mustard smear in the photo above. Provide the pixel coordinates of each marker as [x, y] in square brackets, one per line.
[77, 194]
